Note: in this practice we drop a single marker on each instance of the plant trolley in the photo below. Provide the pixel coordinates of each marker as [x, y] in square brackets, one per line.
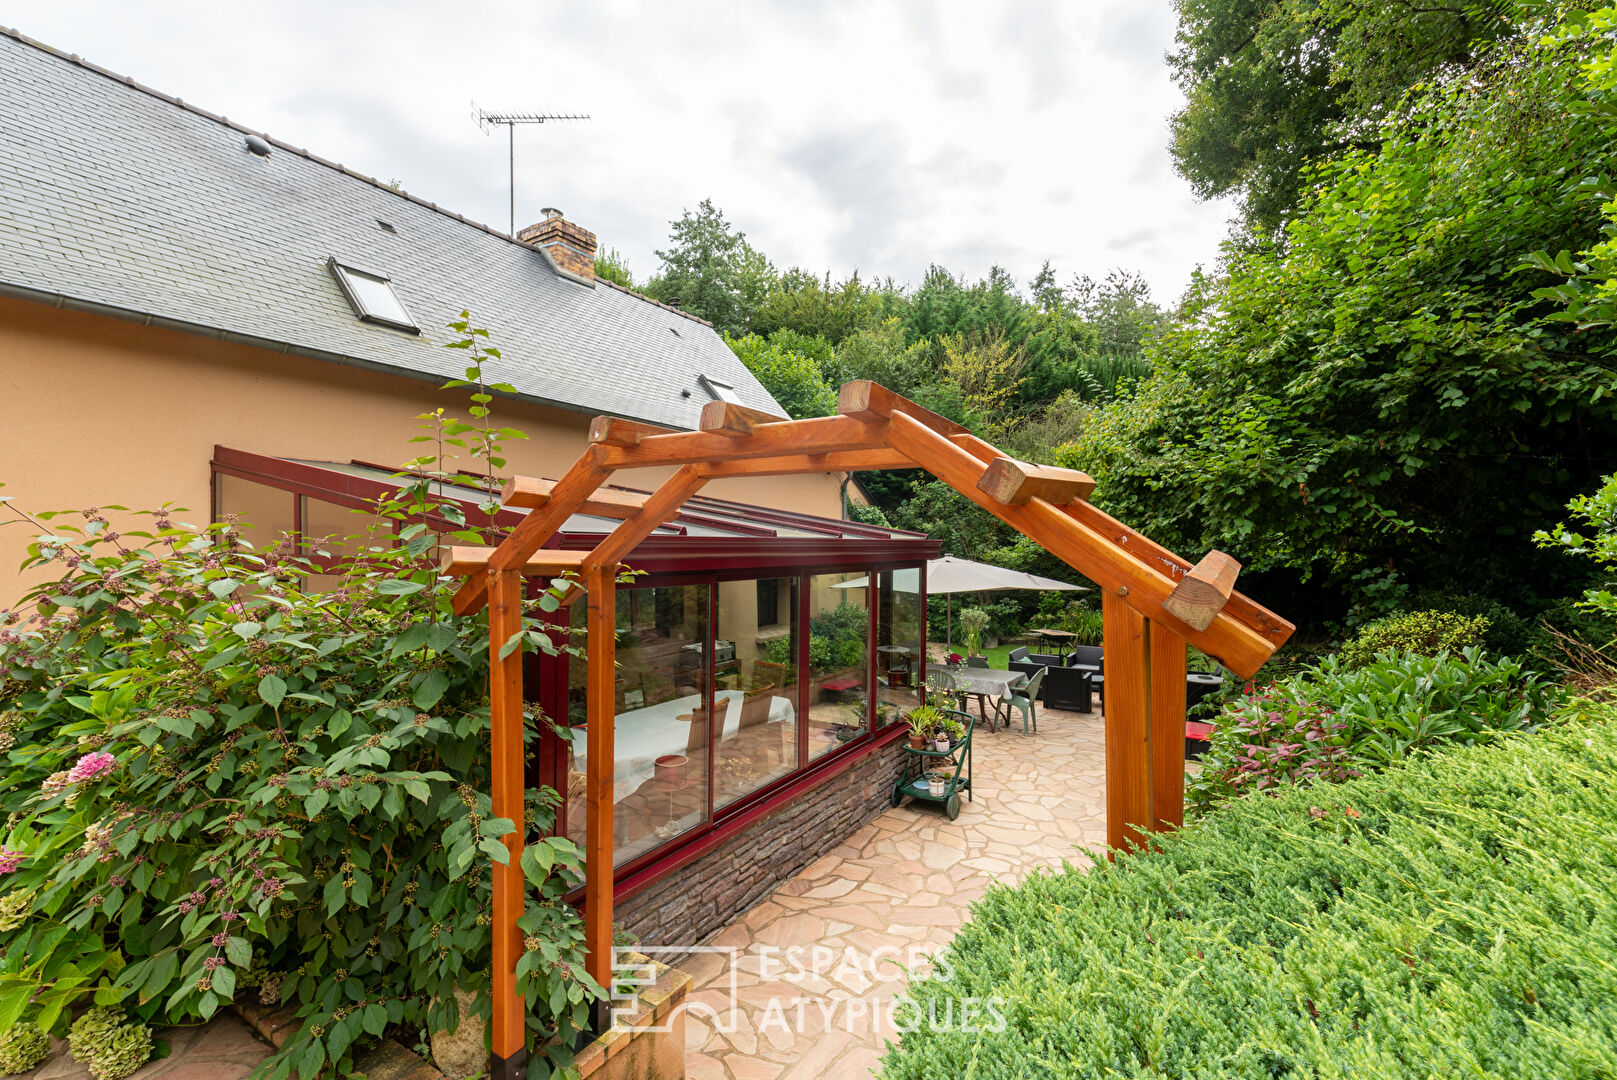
[955, 762]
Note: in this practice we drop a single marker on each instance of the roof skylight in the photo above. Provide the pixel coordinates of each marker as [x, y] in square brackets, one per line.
[372, 296]
[721, 391]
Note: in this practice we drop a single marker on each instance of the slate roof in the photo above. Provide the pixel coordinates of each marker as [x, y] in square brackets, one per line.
[118, 199]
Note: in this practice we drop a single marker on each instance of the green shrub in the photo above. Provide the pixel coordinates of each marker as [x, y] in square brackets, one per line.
[22, 1046]
[1333, 722]
[837, 637]
[209, 765]
[1425, 633]
[1452, 917]
[1509, 634]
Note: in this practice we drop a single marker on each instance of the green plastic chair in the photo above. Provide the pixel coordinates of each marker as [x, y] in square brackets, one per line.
[1025, 699]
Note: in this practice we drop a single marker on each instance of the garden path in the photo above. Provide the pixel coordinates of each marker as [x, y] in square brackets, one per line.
[906, 880]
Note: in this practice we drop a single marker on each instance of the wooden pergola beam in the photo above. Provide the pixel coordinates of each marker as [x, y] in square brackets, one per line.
[1260, 620]
[1202, 593]
[736, 421]
[842, 461]
[576, 484]
[600, 703]
[461, 561]
[819, 435]
[508, 1030]
[1110, 567]
[600, 578]
[615, 431]
[872, 401]
[1014, 482]
[531, 493]
[1243, 609]
[660, 505]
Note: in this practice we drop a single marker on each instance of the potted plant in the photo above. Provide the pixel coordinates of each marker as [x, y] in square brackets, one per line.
[937, 783]
[953, 661]
[923, 721]
[973, 621]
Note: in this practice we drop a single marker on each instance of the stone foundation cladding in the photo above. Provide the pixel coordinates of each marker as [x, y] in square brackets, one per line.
[708, 894]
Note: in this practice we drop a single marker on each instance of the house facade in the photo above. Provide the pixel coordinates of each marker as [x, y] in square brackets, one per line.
[195, 314]
[165, 289]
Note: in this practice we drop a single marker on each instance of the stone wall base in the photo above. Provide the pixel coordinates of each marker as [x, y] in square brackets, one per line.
[693, 902]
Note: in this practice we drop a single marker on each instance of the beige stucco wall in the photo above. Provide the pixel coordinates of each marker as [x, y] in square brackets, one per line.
[99, 411]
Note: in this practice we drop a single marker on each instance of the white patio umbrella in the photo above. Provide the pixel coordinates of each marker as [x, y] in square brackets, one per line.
[950, 575]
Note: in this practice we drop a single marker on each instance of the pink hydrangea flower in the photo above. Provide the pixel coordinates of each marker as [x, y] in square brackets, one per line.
[91, 766]
[10, 861]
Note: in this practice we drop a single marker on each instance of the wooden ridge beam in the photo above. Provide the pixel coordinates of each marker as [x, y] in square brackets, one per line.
[842, 461]
[819, 435]
[1014, 482]
[872, 401]
[461, 561]
[615, 431]
[576, 484]
[736, 421]
[1112, 568]
[1202, 593]
[530, 494]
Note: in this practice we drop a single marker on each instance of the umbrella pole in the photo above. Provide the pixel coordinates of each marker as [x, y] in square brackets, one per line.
[948, 621]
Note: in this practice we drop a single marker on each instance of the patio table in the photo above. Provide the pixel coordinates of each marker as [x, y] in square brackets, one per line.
[1060, 637]
[985, 683]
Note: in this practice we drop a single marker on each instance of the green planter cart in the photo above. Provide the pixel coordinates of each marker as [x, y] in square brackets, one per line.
[917, 763]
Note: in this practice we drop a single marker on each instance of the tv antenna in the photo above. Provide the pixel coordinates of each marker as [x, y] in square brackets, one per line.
[487, 121]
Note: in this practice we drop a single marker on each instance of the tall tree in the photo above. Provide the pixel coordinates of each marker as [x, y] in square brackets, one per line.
[1274, 84]
[1120, 311]
[711, 270]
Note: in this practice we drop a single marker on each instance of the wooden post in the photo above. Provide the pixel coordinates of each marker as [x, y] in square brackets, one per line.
[602, 628]
[1128, 732]
[508, 1056]
[1167, 728]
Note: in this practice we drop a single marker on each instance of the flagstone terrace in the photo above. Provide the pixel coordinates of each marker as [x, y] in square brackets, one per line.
[905, 880]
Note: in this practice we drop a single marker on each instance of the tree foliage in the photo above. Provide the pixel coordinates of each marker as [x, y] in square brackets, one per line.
[1273, 85]
[711, 270]
[1381, 397]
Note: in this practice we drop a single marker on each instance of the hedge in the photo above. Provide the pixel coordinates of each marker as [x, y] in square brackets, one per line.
[1454, 916]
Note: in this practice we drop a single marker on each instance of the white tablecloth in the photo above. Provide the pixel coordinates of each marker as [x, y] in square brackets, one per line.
[641, 736]
[990, 681]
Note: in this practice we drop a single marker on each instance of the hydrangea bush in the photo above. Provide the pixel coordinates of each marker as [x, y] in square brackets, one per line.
[216, 776]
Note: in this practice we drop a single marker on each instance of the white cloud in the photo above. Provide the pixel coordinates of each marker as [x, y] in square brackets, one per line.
[841, 135]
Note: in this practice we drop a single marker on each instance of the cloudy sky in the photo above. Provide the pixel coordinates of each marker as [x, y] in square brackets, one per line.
[878, 136]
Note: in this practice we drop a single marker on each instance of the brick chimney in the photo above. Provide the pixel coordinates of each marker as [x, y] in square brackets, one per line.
[570, 249]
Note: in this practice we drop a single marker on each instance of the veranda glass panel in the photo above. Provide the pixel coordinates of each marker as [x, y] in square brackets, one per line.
[263, 515]
[660, 735]
[899, 646]
[839, 649]
[754, 686]
[337, 533]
